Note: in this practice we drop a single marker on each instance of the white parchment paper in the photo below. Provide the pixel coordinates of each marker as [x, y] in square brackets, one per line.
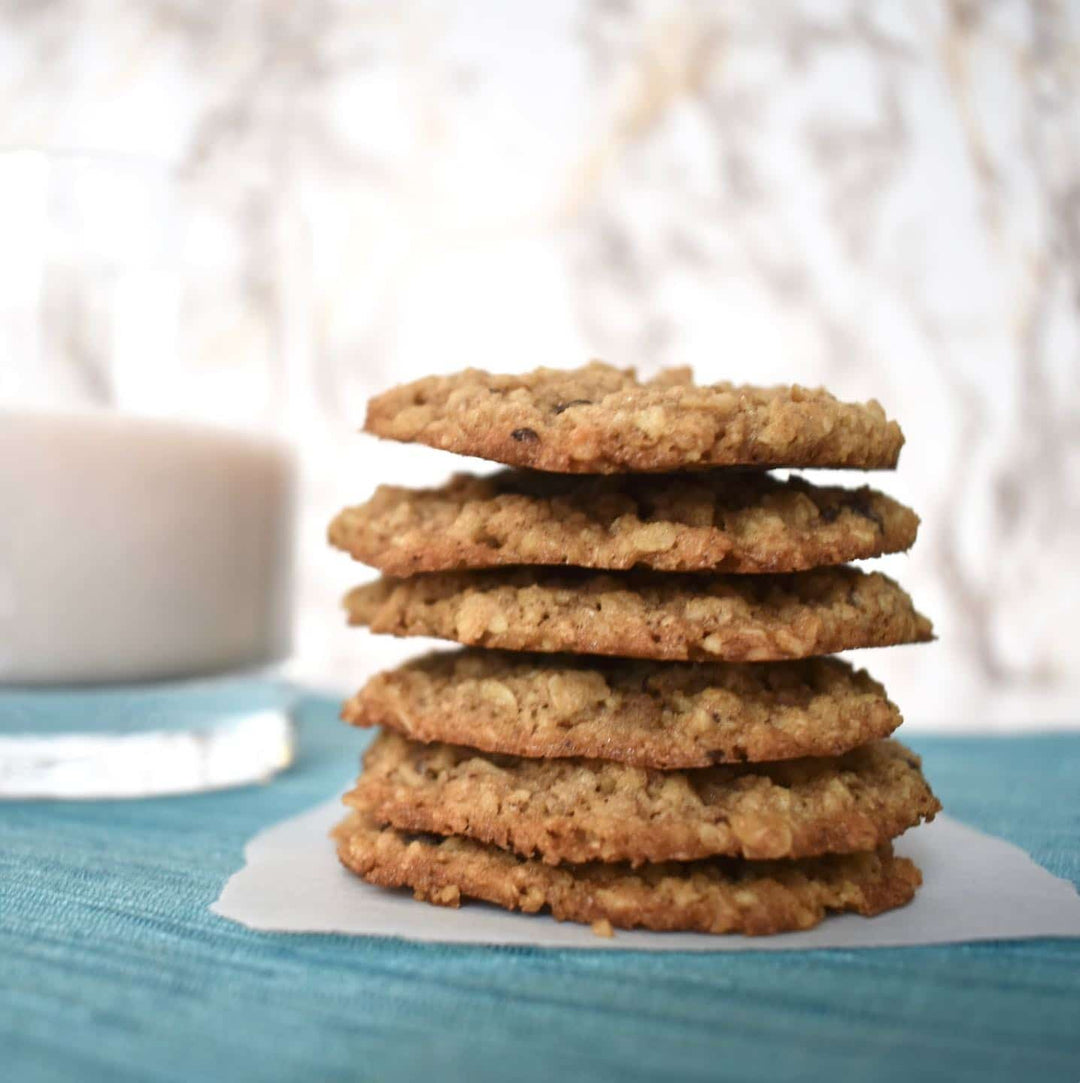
[975, 887]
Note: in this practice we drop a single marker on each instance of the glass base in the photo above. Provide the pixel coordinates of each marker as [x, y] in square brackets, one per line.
[144, 740]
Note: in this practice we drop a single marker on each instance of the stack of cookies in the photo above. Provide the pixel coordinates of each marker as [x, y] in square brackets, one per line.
[642, 728]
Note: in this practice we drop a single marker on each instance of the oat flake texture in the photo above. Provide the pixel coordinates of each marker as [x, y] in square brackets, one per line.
[719, 895]
[647, 714]
[726, 521]
[585, 810]
[603, 420]
[647, 614]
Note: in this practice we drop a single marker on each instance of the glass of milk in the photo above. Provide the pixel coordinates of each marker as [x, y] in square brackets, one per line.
[145, 553]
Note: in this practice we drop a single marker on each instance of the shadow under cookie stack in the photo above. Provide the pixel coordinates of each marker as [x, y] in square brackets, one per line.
[642, 729]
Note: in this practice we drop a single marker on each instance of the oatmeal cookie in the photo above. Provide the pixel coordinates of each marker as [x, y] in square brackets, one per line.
[647, 714]
[603, 420]
[578, 810]
[687, 617]
[724, 520]
[718, 895]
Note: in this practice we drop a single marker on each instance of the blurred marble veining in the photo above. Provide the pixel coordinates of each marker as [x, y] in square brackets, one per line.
[881, 197]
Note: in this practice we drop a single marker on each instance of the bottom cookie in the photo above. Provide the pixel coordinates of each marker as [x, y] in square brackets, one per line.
[718, 895]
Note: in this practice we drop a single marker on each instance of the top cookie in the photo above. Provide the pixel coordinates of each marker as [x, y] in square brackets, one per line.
[603, 420]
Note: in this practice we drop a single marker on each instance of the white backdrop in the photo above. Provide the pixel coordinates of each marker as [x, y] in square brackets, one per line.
[878, 196]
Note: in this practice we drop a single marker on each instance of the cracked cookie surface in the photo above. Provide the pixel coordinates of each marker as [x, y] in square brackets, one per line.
[718, 895]
[727, 521]
[600, 420]
[648, 714]
[646, 614]
[577, 810]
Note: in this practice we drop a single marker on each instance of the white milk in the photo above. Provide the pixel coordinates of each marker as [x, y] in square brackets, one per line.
[138, 549]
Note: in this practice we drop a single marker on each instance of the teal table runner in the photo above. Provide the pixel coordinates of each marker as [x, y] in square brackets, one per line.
[112, 967]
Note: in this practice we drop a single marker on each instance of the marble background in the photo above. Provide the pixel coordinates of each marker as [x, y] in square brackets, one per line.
[882, 197]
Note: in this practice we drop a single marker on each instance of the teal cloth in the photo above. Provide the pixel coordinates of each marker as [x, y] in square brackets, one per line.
[112, 967]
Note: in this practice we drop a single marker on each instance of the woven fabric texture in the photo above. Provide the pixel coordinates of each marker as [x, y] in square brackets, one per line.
[113, 968]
